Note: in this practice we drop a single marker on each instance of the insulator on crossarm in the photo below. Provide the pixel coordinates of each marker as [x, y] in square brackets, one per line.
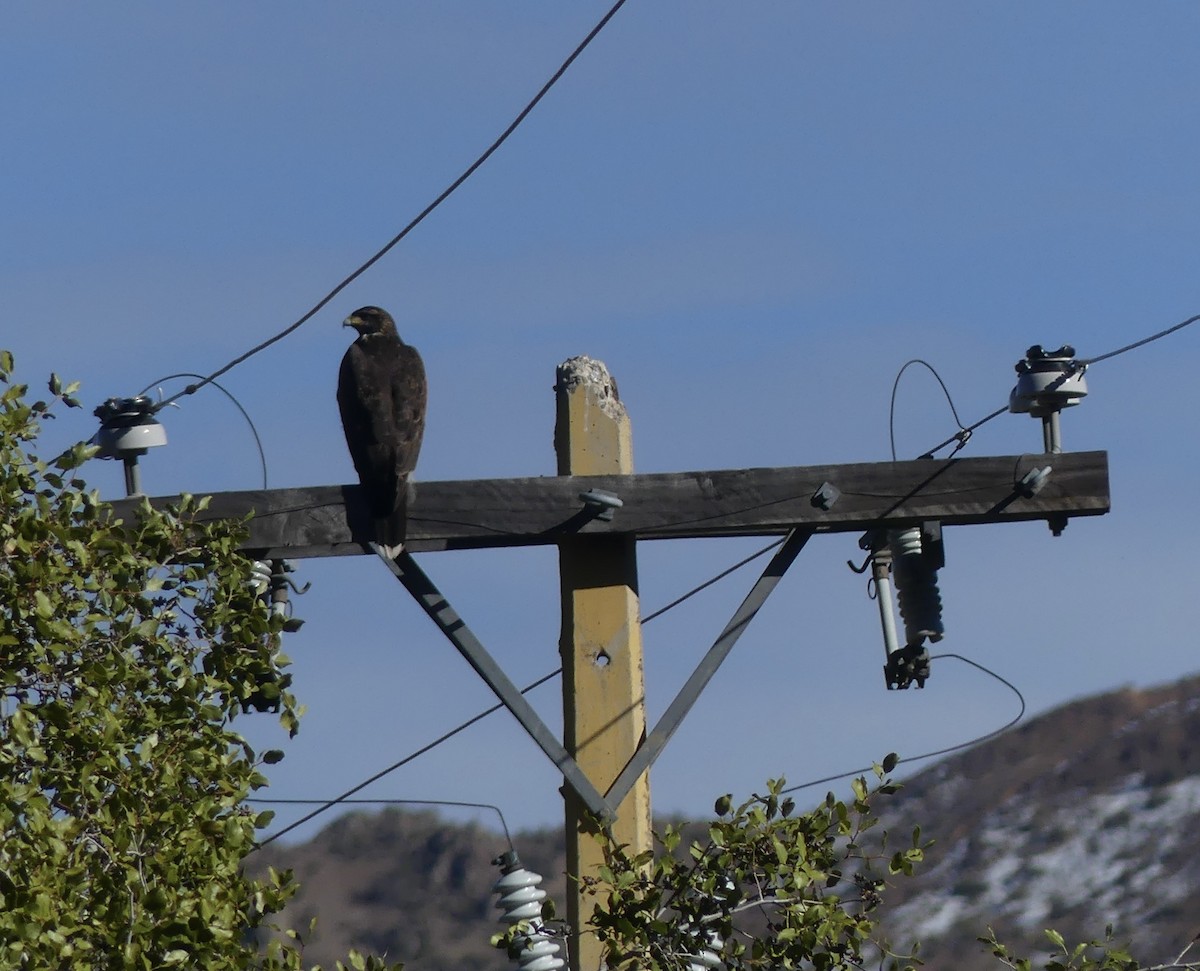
[709, 958]
[260, 576]
[127, 429]
[916, 557]
[907, 560]
[519, 897]
[280, 584]
[270, 583]
[269, 579]
[1048, 382]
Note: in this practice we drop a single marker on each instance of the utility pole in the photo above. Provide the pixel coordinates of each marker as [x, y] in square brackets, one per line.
[604, 719]
[597, 509]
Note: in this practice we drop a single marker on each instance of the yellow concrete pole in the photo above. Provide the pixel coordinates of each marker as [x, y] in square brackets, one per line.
[604, 717]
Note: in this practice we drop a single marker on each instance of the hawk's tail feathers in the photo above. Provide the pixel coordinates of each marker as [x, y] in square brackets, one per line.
[391, 530]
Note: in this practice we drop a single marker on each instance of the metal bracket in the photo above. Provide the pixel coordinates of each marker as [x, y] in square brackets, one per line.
[656, 741]
[826, 496]
[1033, 481]
[435, 605]
[909, 664]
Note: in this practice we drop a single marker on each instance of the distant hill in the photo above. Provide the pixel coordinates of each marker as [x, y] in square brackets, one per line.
[410, 885]
[1085, 816]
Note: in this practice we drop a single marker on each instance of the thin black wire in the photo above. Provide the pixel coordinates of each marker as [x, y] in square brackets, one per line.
[471, 169]
[892, 407]
[345, 797]
[708, 583]
[942, 751]
[964, 435]
[1145, 340]
[262, 456]
[393, 802]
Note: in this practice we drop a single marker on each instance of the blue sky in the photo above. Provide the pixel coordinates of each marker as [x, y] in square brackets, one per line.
[753, 213]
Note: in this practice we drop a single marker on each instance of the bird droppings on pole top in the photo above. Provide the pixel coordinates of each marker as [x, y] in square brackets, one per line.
[592, 374]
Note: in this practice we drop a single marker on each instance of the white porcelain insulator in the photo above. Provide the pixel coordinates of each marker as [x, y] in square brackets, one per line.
[519, 897]
[917, 592]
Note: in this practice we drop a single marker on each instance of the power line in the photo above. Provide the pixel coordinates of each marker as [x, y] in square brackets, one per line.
[262, 456]
[345, 796]
[945, 391]
[1145, 340]
[325, 805]
[708, 583]
[388, 802]
[420, 217]
[942, 751]
[964, 435]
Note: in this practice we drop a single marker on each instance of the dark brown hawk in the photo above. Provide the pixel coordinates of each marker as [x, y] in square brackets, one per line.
[381, 394]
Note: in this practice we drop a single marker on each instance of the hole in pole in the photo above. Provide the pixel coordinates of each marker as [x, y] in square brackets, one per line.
[601, 659]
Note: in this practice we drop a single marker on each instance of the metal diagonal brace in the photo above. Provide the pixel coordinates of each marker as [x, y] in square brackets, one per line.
[434, 603]
[650, 749]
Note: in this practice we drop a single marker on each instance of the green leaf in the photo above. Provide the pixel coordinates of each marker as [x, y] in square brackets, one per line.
[42, 605]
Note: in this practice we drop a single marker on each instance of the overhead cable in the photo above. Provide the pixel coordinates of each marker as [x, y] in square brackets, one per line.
[345, 797]
[945, 391]
[1145, 340]
[386, 802]
[942, 751]
[416, 221]
[262, 456]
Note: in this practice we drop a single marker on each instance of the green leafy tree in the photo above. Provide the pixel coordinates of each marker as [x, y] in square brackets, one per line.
[127, 652]
[766, 888]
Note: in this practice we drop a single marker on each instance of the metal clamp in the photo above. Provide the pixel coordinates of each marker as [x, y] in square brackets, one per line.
[826, 496]
[1034, 480]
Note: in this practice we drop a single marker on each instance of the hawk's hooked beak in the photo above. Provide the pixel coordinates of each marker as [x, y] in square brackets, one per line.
[353, 321]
